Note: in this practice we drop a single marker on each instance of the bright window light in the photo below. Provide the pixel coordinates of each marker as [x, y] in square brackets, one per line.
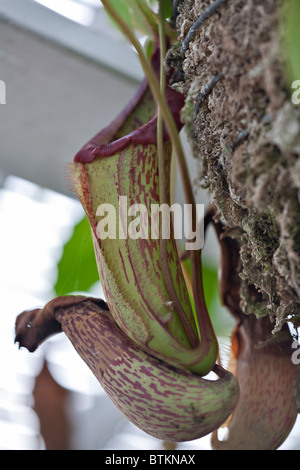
[71, 9]
[93, 3]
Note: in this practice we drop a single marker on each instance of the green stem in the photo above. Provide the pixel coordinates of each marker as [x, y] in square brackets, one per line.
[160, 122]
[148, 15]
[163, 198]
[159, 98]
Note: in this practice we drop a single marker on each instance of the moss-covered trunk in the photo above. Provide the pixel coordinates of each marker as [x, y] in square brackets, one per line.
[245, 133]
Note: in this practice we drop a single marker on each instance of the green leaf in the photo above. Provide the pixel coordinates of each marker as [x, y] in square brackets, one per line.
[210, 283]
[77, 269]
[167, 8]
[123, 11]
[136, 14]
[148, 48]
[143, 17]
[210, 280]
[292, 39]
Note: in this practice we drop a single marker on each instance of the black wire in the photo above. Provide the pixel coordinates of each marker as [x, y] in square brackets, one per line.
[207, 13]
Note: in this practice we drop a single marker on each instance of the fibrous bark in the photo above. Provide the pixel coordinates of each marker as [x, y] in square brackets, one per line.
[245, 134]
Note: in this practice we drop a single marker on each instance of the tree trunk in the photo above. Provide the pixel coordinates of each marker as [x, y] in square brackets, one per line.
[245, 133]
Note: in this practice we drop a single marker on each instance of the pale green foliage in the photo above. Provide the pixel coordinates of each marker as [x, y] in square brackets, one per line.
[292, 39]
[141, 15]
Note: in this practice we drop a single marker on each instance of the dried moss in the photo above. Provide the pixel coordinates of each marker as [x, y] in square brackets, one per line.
[246, 138]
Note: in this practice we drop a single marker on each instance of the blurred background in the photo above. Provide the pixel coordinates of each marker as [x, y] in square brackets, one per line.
[67, 73]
